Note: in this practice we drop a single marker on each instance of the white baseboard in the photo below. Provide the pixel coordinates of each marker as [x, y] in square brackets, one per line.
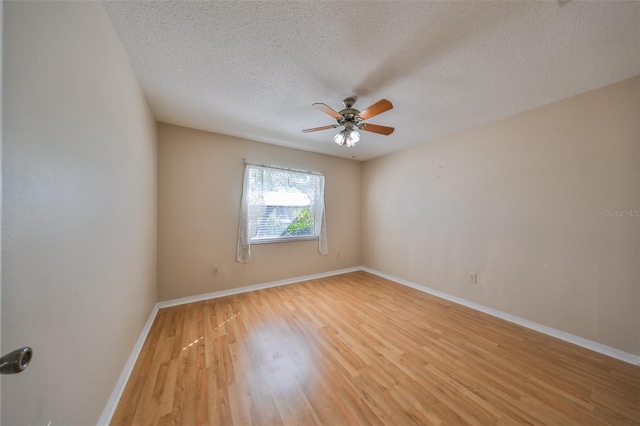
[112, 403]
[230, 292]
[110, 408]
[568, 337]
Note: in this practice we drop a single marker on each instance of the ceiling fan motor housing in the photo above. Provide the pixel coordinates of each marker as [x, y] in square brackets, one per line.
[349, 114]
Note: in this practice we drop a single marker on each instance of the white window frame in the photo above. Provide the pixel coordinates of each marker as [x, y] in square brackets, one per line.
[279, 195]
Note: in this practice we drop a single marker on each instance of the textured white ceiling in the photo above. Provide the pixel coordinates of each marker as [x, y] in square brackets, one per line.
[253, 69]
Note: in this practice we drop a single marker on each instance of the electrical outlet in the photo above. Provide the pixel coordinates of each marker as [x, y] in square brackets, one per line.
[473, 278]
[338, 255]
[214, 270]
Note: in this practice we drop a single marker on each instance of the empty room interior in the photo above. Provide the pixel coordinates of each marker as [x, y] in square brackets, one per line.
[334, 213]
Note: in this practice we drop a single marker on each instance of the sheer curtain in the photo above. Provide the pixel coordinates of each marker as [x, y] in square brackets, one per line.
[257, 183]
[320, 218]
[243, 252]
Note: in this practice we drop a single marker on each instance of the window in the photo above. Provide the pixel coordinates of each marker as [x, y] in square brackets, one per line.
[280, 205]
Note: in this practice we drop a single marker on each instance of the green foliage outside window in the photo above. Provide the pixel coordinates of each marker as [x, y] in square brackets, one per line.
[302, 224]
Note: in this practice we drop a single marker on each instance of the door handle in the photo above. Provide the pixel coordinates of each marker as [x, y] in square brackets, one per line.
[16, 361]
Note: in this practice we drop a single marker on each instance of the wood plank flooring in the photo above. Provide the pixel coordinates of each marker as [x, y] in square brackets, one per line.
[358, 349]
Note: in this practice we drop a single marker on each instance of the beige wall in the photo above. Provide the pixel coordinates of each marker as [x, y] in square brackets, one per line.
[79, 213]
[199, 189]
[521, 202]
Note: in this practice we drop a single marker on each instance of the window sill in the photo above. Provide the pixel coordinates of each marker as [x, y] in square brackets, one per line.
[281, 240]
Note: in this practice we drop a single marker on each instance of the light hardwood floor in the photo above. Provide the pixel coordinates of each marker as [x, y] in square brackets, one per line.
[358, 349]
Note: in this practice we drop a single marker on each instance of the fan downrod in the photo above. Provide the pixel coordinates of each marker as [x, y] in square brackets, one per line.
[349, 102]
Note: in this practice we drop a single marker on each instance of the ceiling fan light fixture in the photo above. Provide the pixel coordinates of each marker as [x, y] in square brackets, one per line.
[340, 138]
[347, 137]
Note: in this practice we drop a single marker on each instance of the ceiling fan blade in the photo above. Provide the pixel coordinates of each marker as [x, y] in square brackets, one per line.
[327, 110]
[375, 109]
[383, 130]
[315, 129]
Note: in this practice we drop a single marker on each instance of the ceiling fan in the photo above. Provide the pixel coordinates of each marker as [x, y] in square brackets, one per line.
[352, 119]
